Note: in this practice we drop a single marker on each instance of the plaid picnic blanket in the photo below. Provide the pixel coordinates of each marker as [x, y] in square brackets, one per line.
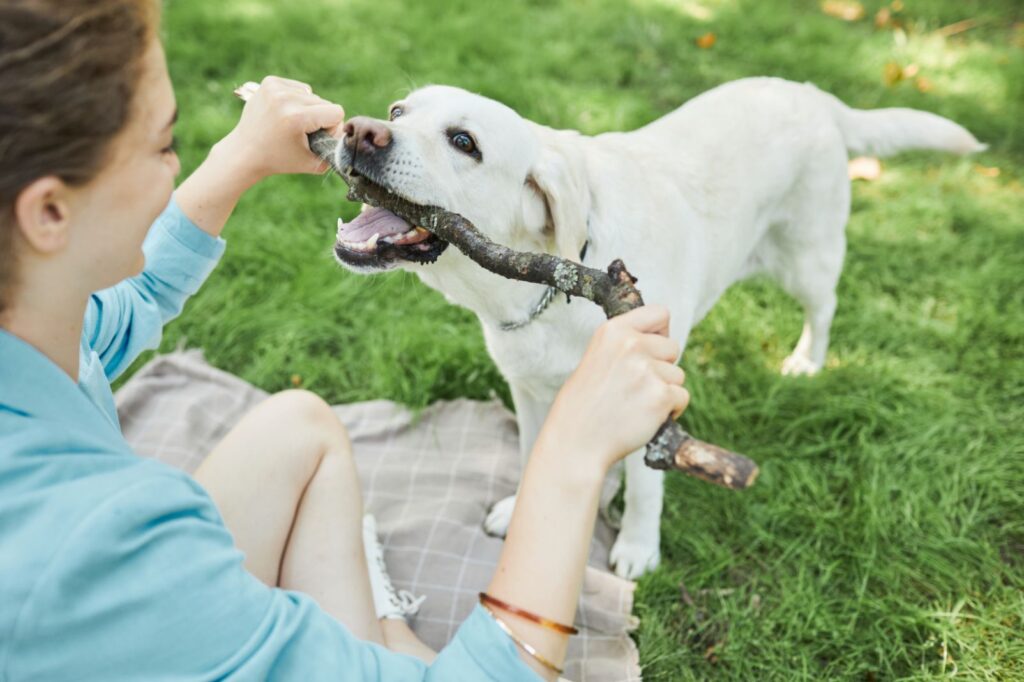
[429, 479]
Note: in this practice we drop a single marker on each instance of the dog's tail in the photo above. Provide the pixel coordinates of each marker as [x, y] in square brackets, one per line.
[883, 132]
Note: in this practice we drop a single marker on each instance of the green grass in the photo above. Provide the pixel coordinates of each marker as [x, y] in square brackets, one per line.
[888, 522]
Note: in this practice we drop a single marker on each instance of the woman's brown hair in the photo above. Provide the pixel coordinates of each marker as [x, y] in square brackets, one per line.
[69, 70]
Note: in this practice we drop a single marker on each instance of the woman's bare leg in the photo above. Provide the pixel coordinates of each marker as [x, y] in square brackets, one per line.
[285, 484]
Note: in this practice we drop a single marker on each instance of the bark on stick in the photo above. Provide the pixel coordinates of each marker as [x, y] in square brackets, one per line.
[614, 291]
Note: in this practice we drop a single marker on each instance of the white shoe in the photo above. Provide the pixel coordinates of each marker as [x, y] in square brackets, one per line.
[388, 602]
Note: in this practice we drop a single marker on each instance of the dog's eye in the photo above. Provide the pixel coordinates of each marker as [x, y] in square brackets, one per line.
[395, 113]
[463, 141]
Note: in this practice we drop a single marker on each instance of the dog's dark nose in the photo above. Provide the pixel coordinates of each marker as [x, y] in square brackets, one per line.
[366, 135]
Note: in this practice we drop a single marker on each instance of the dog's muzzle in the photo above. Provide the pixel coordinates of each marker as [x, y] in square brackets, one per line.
[377, 239]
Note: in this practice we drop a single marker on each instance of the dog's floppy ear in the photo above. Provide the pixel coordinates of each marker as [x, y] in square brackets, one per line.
[560, 177]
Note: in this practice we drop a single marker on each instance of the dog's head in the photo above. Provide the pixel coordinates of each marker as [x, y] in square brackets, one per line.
[521, 184]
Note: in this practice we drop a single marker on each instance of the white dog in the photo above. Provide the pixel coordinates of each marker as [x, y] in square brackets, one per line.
[748, 178]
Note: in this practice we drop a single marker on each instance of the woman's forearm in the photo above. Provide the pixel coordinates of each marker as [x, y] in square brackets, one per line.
[210, 194]
[542, 563]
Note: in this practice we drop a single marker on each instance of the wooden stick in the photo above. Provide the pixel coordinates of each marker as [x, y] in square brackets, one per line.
[614, 291]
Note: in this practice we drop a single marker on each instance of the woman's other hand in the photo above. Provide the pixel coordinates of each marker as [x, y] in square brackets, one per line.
[271, 136]
[625, 386]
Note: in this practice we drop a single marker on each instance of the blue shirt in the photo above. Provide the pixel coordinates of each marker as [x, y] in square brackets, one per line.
[116, 567]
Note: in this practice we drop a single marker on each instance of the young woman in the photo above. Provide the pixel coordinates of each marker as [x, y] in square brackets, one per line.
[117, 567]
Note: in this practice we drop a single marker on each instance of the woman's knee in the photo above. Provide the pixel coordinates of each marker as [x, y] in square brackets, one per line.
[334, 466]
[311, 416]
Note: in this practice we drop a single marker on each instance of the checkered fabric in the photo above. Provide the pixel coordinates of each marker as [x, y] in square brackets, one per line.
[429, 479]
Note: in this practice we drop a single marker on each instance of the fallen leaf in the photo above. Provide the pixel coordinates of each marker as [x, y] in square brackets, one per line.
[923, 84]
[958, 27]
[886, 19]
[987, 171]
[897, 5]
[892, 74]
[296, 380]
[911, 70]
[847, 10]
[706, 41]
[864, 168]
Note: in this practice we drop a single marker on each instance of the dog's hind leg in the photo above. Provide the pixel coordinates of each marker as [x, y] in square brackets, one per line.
[808, 357]
[805, 256]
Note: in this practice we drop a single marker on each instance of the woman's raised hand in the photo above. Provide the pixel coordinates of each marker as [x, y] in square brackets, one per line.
[270, 137]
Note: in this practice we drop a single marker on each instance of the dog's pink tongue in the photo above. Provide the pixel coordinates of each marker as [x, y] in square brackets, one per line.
[370, 222]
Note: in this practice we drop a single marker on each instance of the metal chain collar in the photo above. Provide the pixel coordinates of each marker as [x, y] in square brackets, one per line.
[545, 300]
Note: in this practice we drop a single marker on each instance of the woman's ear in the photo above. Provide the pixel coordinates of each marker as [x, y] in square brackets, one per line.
[561, 179]
[42, 214]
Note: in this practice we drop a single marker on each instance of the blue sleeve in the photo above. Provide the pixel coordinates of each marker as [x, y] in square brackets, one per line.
[151, 587]
[128, 318]
[480, 651]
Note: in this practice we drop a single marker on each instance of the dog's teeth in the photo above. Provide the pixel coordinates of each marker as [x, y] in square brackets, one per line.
[372, 241]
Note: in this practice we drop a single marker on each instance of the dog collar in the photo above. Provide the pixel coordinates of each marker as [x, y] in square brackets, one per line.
[542, 304]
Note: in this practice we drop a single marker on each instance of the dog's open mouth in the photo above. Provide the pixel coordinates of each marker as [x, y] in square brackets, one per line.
[377, 237]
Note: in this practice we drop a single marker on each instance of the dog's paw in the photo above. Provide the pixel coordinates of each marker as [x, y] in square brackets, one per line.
[499, 517]
[631, 559]
[799, 364]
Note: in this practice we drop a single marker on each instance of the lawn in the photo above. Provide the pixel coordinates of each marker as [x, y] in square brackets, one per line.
[885, 537]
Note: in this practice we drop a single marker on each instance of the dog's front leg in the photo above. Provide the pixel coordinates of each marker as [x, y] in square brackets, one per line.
[531, 411]
[637, 549]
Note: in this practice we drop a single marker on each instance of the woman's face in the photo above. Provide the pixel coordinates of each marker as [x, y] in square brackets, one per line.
[111, 214]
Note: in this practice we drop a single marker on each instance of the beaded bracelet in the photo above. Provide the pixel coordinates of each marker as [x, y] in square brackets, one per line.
[523, 645]
[488, 600]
